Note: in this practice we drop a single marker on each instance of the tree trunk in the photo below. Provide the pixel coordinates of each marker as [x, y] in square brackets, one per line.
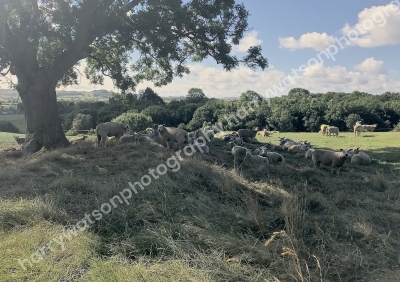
[43, 124]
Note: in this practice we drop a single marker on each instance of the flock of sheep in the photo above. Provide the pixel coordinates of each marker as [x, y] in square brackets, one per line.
[266, 155]
[172, 138]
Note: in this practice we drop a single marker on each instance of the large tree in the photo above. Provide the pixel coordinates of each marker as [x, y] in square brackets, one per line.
[42, 42]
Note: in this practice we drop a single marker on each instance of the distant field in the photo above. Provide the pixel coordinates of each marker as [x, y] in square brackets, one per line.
[17, 120]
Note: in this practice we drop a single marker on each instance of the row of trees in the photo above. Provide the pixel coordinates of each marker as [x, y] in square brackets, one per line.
[300, 110]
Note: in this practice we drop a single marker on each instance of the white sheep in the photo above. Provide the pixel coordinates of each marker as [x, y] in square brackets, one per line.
[129, 138]
[255, 159]
[361, 158]
[308, 152]
[332, 130]
[273, 157]
[78, 140]
[108, 129]
[173, 134]
[297, 149]
[330, 158]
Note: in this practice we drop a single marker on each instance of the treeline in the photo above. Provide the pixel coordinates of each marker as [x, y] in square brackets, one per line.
[300, 110]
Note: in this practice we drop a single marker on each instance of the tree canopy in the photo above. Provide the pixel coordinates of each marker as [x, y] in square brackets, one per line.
[42, 42]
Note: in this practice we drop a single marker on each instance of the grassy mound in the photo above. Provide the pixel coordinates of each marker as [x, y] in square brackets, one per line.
[200, 221]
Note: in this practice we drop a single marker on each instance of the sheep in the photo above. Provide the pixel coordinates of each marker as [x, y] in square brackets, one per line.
[358, 128]
[332, 130]
[369, 127]
[283, 140]
[294, 149]
[247, 134]
[158, 139]
[108, 129]
[20, 140]
[173, 134]
[323, 129]
[78, 140]
[361, 159]
[130, 138]
[309, 151]
[255, 159]
[237, 152]
[273, 157]
[330, 158]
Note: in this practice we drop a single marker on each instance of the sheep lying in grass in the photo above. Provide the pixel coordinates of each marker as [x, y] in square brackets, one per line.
[78, 140]
[255, 159]
[173, 134]
[20, 140]
[108, 129]
[361, 158]
[131, 138]
[330, 158]
[297, 149]
[273, 157]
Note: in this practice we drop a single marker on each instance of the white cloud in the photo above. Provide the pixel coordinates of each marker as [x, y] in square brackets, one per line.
[216, 82]
[247, 41]
[376, 26]
[314, 40]
[372, 66]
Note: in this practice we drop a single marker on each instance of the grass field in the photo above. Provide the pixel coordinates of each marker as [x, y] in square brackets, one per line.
[17, 120]
[205, 221]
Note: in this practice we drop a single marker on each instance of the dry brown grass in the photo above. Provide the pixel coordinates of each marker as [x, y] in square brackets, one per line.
[206, 222]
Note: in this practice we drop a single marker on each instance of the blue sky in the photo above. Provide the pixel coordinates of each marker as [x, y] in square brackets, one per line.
[293, 32]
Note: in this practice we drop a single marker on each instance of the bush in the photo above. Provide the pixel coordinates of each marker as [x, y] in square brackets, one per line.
[6, 126]
[351, 120]
[138, 122]
[82, 122]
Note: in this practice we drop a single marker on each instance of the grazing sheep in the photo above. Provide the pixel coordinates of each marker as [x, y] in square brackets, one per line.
[78, 140]
[323, 129]
[332, 130]
[273, 157]
[369, 127]
[108, 129]
[247, 134]
[361, 159]
[255, 159]
[20, 140]
[173, 134]
[330, 158]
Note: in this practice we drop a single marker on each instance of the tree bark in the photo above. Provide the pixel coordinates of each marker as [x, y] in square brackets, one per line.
[43, 124]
